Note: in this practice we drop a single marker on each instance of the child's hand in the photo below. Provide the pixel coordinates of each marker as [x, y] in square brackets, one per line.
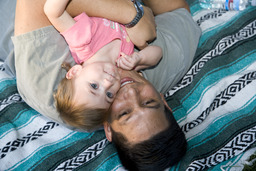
[128, 62]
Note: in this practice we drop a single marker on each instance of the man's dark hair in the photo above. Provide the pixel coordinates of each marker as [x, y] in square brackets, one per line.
[157, 153]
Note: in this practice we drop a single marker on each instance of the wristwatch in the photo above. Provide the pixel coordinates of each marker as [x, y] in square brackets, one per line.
[140, 13]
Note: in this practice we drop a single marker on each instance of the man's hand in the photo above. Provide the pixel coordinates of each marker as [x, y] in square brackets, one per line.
[144, 31]
[127, 62]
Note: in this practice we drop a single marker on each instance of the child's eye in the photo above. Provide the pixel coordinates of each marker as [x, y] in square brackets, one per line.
[109, 95]
[94, 86]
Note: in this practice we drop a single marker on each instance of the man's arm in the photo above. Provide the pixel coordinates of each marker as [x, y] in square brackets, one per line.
[162, 6]
[30, 16]
[144, 31]
[157, 7]
[121, 11]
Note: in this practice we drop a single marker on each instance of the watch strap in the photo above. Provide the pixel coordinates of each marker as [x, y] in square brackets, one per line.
[139, 15]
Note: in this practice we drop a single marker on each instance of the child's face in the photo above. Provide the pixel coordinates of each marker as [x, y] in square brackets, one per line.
[96, 85]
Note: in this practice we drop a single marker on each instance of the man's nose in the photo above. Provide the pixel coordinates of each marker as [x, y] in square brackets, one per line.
[131, 93]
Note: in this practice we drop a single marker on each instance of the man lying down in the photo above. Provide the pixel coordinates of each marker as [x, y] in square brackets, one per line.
[139, 122]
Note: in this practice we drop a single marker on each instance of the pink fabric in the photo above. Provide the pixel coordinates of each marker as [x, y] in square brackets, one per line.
[89, 34]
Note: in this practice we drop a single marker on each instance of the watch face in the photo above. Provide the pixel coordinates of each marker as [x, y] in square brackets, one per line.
[139, 8]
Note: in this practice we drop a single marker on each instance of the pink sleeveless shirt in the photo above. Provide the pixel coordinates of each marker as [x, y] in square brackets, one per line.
[89, 34]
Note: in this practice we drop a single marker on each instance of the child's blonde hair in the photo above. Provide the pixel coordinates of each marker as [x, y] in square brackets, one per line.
[78, 116]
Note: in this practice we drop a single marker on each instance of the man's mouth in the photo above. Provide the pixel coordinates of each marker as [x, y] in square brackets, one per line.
[126, 80]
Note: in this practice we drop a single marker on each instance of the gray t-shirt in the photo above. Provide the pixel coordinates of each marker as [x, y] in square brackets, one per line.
[178, 36]
[40, 53]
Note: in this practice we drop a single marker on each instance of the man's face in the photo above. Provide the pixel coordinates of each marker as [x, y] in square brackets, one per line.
[137, 111]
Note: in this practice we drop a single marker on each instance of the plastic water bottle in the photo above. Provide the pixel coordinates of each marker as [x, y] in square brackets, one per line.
[227, 4]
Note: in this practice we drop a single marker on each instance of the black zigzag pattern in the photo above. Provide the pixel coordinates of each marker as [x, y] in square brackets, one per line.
[20, 142]
[221, 99]
[83, 157]
[15, 98]
[245, 33]
[233, 148]
[211, 15]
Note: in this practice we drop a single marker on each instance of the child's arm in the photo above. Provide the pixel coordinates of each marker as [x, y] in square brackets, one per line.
[58, 16]
[145, 58]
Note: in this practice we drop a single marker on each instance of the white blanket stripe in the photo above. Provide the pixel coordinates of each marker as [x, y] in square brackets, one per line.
[224, 44]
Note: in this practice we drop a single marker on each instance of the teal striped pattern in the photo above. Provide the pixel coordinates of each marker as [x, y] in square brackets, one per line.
[215, 102]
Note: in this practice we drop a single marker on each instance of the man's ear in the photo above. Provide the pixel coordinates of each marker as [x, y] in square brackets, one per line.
[107, 130]
[165, 103]
[75, 70]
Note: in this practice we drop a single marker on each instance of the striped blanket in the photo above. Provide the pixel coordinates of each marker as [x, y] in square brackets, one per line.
[214, 103]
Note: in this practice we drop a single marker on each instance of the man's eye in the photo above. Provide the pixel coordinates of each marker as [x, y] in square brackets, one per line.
[148, 102]
[109, 95]
[151, 104]
[123, 114]
[94, 86]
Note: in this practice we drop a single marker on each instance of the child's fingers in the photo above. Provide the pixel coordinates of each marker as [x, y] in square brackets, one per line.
[123, 55]
[124, 64]
[120, 64]
[129, 62]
